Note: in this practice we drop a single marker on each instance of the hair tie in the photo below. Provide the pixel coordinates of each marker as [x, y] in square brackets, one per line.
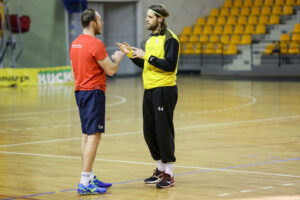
[157, 13]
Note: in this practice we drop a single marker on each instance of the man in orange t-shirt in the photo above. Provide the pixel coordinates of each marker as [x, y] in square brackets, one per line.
[91, 63]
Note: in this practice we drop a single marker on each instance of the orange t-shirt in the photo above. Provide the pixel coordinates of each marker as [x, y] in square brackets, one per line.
[85, 50]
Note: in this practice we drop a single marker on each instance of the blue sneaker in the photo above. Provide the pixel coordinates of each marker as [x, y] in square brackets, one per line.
[101, 184]
[90, 189]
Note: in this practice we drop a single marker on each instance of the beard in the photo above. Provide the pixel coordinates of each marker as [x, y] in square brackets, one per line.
[152, 27]
[97, 30]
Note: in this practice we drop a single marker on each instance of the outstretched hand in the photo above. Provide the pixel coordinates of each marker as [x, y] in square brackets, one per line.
[138, 53]
[125, 48]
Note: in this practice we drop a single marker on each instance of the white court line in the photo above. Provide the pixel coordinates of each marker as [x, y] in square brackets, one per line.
[223, 195]
[15, 119]
[246, 191]
[122, 100]
[288, 184]
[267, 188]
[69, 139]
[144, 163]
[180, 128]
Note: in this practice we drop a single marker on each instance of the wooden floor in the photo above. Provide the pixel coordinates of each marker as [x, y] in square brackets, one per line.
[235, 139]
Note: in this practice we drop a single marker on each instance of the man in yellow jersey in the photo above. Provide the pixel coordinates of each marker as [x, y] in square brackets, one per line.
[159, 62]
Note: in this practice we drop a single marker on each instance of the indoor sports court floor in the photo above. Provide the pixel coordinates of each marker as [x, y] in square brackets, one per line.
[235, 139]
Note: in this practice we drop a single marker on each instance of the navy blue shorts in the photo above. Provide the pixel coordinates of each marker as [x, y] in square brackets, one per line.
[91, 105]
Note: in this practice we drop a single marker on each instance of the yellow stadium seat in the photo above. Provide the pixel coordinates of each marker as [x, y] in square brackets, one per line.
[260, 29]
[224, 12]
[245, 11]
[279, 2]
[288, 10]
[252, 19]
[258, 2]
[231, 49]
[187, 30]
[235, 39]
[266, 10]
[218, 30]
[198, 49]
[203, 38]
[209, 48]
[248, 3]
[274, 19]
[211, 20]
[228, 29]
[242, 20]
[298, 3]
[283, 47]
[276, 10]
[219, 48]
[214, 38]
[255, 11]
[285, 38]
[221, 20]
[269, 2]
[296, 28]
[207, 30]
[228, 3]
[201, 21]
[235, 11]
[214, 12]
[187, 48]
[246, 39]
[238, 3]
[249, 29]
[263, 19]
[193, 39]
[290, 2]
[239, 29]
[294, 48]
[183, 38]
[224, 39]
[296, 37]
[269, 48]
[231, 20]
[197, 30]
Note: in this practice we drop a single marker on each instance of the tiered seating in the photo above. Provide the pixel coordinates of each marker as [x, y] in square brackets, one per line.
[288, 44]
[233, 24]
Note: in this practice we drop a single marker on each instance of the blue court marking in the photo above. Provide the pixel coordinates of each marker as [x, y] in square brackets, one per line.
[208, 170]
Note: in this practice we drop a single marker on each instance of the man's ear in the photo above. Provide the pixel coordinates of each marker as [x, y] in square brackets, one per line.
[93, 24]
[160, 19]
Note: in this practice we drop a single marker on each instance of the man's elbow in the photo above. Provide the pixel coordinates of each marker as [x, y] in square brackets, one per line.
[111, 71]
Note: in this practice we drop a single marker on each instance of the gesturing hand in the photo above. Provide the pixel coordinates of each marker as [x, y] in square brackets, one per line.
[125, 48]
[117, 56]
[137, 53]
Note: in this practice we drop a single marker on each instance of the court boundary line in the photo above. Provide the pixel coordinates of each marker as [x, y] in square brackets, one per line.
[131, 181]
[123, 100]
[178, 128]
[177, 166]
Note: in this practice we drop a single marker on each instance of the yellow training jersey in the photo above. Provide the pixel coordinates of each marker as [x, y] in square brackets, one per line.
[155, 73]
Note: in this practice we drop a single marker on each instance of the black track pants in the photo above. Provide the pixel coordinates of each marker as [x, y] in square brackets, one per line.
[158, 108]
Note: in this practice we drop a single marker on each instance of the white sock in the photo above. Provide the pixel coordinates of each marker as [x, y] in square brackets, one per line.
[169, 168]
[92, 175]
[161, 166]
[85, 178]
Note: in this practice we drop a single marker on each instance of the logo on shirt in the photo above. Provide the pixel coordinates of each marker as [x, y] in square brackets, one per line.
[77, 46]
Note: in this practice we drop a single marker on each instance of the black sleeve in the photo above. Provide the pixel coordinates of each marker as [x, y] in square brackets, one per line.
[171, 56]
[137, 61]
